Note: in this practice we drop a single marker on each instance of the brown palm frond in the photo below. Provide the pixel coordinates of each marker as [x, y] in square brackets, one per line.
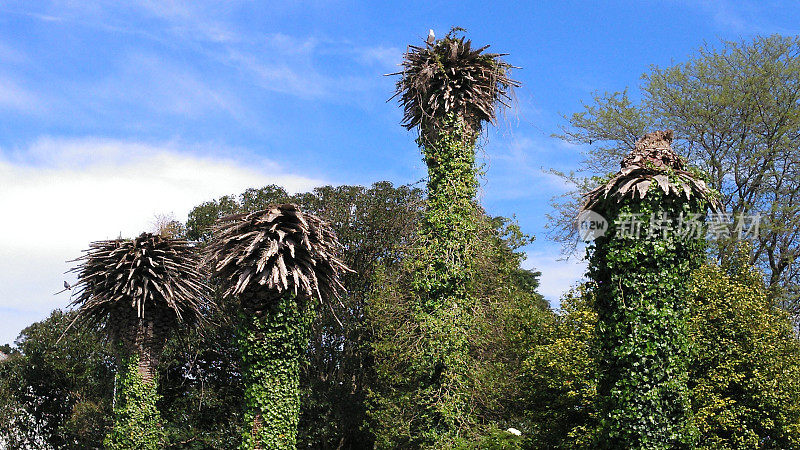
[652, 161]
[451, 77]
[150, 276]
[277, 250]
[138, 291]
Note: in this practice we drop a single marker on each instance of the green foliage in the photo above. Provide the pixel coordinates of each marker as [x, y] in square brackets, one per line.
[561, 376]
[201, 385]
[445, 252]
[137, 421]
[493, 439]
[745, 371]
[744, 364]
[504, 317]
[439, 373]
[56, 395]
[375, 225]
[642, 335]
[200, 372]
[272, 347]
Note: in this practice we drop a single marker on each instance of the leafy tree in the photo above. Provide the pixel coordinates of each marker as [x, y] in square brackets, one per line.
[745, 371]
[56, 393]
[560, 376]
[199, 372]
[276, 261]
[448, 89]
[200, 385]
[743, 366]
[505, 318]
[374, 226]
[735, 113]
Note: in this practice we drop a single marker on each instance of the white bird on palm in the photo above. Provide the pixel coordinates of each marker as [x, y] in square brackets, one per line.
[431, 37]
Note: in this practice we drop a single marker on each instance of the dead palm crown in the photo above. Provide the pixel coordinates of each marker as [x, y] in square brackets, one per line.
[273, 252]
[138, 291]
[651, 161]
[449, 77]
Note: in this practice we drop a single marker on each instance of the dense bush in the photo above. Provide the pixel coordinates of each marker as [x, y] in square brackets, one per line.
[744, 367]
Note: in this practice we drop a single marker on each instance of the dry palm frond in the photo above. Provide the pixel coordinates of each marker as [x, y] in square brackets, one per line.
[651, 161]
[277, 250]
[451, 77]
[145, 278]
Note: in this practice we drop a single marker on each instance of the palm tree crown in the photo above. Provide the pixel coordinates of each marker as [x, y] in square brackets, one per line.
[150, 276]
[277, 250]
[138, 291]
[652, 161]
[449, 77]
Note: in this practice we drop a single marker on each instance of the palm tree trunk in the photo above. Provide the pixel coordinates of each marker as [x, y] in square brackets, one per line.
[137, 421]
[273, 338]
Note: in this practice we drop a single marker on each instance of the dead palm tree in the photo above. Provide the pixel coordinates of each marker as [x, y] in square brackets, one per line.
[275, 261]
[448, 77]
[138, 291]
[641, 275]
[448, 89]
[651, 161]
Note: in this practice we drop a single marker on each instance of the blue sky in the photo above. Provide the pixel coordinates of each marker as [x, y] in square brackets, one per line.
[110, 115]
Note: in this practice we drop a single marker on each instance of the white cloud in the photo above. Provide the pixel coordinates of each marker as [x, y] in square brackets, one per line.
[558, 275]
[15, 96]
[58, 195]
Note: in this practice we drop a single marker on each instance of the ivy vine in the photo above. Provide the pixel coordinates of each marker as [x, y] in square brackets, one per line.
[272, 345]
[642, 311]
[137, 421]
[442, 281]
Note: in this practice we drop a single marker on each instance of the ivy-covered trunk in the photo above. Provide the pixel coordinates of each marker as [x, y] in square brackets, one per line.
[137, 421]
[642, 320]
[449, 226]
[443, 278]
[642, 267]
[137, 291]
[277, 261]
[448, 90]
[272, 340]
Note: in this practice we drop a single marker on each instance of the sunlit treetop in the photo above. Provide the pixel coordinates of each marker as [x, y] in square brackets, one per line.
[449, 76]
[277, 250]
[652, 161]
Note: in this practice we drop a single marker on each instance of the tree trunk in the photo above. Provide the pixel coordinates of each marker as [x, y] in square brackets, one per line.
[273, 338]
[137, 421]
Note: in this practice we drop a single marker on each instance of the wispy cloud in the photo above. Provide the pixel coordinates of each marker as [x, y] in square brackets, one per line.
[308, 67]
[14, 96]
[750, 17]
[163, 86]
[388, 57]
[558, 275]
[516, 168]
[311, 68]
[62, 194]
